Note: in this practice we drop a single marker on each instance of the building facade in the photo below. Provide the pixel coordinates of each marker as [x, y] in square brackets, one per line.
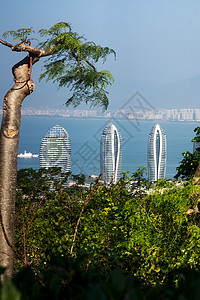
[55, 149]
[110, 154]
[157, 153]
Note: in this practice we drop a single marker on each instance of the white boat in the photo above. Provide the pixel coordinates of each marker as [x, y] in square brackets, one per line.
[27, 155]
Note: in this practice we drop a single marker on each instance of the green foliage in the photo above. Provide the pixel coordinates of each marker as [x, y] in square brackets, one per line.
[197, 137]
[21, 35]
[79, 178]
[160, 230]
[188, 165]
[64, 278]
[140, 173]
[42, 208]
[9, 291]
[71, 62]
[34, 184]
[190, 162]
[147, 233]
[139, 181]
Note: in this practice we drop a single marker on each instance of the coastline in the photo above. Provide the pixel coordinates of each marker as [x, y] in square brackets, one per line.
[110, 118]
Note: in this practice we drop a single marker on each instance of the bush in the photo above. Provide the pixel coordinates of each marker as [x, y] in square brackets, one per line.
[148, 233]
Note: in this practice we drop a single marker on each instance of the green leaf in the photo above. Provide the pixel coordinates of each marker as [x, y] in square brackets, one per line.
[9, 291]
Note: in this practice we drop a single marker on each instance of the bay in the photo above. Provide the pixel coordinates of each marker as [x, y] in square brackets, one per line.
[85, 137]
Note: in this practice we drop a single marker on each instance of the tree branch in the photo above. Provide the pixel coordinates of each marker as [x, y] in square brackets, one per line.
[79, 61]
[91, 65]
[26, 48]
[91, 194]
[6, 44]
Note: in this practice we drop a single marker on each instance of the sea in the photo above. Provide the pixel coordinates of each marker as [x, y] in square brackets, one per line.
[85, 135]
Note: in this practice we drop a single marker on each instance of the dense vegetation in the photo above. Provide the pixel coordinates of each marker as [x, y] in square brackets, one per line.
[132, 232]
[189, 166]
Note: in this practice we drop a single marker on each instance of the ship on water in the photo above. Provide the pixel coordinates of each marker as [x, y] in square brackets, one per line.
[27, 155]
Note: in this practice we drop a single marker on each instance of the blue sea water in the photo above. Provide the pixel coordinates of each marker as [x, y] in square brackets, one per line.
[85, 142]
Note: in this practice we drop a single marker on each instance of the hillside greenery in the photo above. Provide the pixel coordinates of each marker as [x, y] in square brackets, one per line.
[190, 162]
[146, 231]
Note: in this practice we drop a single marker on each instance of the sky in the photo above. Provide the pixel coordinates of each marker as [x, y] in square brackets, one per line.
[157, 44]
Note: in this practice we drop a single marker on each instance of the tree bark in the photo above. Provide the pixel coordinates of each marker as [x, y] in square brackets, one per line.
[9, 140]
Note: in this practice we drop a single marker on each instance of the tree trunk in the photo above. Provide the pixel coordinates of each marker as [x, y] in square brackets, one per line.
[9, 139]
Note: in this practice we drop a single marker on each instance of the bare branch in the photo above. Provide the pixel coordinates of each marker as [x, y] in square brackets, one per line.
[6, 44]
[91, 194]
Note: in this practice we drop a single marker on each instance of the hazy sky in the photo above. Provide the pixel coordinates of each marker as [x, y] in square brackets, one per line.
[156, 41]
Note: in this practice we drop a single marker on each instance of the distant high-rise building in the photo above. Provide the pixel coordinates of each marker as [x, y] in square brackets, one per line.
[55, 149]
[110, 154]
[157, 152]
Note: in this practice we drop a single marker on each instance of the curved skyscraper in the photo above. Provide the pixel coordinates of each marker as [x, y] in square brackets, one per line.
[110, 154]
[55, 149]
[157, 151]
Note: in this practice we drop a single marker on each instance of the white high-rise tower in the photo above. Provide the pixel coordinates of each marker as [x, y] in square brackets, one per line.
[55, 149]
[110, 154]
[157, 152]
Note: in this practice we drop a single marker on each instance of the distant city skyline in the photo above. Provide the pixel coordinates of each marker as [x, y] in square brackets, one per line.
[184, 114]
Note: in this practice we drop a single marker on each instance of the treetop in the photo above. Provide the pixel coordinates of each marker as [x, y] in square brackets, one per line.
[70, 61]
